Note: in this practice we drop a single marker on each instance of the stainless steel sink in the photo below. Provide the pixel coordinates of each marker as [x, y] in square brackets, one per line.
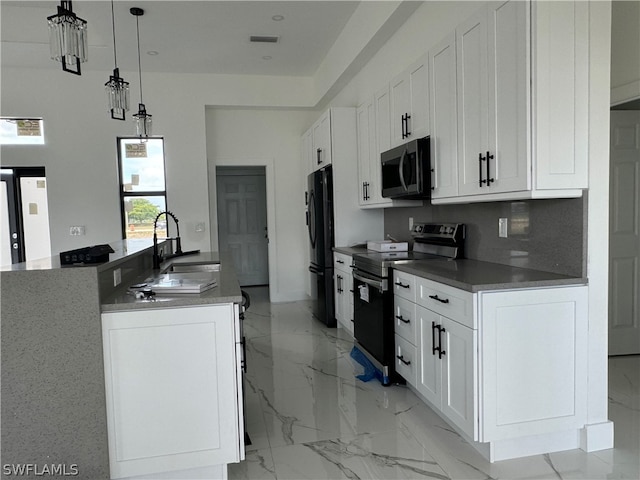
[191, 267]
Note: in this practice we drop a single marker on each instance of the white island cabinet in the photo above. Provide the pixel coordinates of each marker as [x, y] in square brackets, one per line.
[173, 388]
[507, 367]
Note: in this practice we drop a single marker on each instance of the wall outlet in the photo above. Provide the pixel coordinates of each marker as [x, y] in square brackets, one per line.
[200, 227]
[117, 277]
[76, 230]
[503, 227]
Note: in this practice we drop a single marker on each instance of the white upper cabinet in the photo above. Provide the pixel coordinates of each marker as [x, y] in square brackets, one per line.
[492, 100]
[409, 96]
[444, 127]
[318, 149]
[520, 102]
[369, 149]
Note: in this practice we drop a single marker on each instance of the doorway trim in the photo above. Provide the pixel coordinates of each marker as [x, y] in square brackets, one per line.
[270, 180]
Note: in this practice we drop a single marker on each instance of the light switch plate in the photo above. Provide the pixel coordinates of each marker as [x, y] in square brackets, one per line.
[117, 277]
[503, 227]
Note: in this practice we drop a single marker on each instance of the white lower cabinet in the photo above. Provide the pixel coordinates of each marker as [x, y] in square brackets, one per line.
[446, 370]
[343, 290]
[173, 389]
[508, 369]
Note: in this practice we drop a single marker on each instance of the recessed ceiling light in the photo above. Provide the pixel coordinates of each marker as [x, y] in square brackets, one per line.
[153, 53]
[267, 57]
[277, 18]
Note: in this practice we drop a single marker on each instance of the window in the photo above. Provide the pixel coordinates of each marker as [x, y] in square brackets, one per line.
[142, 186]
[21, 131]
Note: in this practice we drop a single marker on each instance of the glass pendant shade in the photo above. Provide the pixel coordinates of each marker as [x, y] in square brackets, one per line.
[143, 122]
[68, 38]
[117, 90]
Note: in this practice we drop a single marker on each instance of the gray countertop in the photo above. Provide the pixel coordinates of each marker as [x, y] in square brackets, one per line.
[474, 275]
[350, 250]
[227, 290]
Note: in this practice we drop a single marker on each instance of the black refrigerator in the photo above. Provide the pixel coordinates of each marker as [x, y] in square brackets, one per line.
[319, 199]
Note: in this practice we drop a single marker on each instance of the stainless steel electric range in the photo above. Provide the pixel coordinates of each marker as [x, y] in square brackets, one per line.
[373, 297]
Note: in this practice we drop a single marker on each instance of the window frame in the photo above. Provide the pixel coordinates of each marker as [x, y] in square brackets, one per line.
[127, 194]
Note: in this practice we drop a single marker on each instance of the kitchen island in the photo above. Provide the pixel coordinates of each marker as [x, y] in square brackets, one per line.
[54, 405]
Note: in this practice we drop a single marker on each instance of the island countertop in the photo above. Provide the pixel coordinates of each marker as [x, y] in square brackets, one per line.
[226, 291]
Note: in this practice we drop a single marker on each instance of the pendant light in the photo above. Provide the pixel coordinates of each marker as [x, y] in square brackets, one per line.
[68, 38]
[142, 119]
[116, 88]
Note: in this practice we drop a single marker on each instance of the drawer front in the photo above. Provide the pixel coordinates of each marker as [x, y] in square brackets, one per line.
[448, 301]
[404, 315]
[406, 358]
[342, 262]
[404, 285]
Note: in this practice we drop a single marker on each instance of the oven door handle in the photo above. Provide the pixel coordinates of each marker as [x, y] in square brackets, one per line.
[379, 284]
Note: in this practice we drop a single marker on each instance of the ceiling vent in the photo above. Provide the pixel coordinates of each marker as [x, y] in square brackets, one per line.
[264, 39]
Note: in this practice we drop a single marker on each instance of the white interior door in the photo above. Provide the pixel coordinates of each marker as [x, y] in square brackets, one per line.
[5, 230]
[35, 217]
[624, 232]
[242, 223]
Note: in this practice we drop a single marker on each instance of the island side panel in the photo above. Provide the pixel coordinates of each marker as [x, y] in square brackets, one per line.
[53, 397]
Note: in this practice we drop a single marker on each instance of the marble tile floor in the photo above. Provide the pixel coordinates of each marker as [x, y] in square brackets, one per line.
[310, 418]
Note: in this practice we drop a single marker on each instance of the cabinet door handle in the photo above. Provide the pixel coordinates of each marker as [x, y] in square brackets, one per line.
[434, 349]
[307, 215]
[402, 319]
[401, 358]
[339, 284]
[364, 191]
[441, 352]
[489, 179]
[319, 154]
[306, 198]
[433, 179]
[480, 179]
[367, 191]
[436, 298]
[406, 122]
[399, 283]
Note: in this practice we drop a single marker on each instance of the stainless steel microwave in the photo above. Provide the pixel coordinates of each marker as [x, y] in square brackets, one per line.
[406, 170]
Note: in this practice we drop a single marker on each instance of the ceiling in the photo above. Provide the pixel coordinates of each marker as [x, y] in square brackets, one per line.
[188, 36]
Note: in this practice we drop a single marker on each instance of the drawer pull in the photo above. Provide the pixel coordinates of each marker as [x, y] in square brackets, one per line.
[402, 319]
[400, 284]
[438, 299]
[339, 261]
[401, 358]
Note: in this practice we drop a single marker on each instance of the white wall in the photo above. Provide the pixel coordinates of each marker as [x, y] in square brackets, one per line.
[268, 137]
[625, 51]
[80, 155]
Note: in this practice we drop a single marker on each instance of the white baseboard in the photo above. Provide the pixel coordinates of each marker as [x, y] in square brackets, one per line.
[597, 436]
[534, 445]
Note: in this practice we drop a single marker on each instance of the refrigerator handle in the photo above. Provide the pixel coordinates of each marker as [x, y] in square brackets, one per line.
[317, 271]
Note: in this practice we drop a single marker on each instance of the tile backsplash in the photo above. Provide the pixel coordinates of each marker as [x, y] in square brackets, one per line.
[547, 235]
